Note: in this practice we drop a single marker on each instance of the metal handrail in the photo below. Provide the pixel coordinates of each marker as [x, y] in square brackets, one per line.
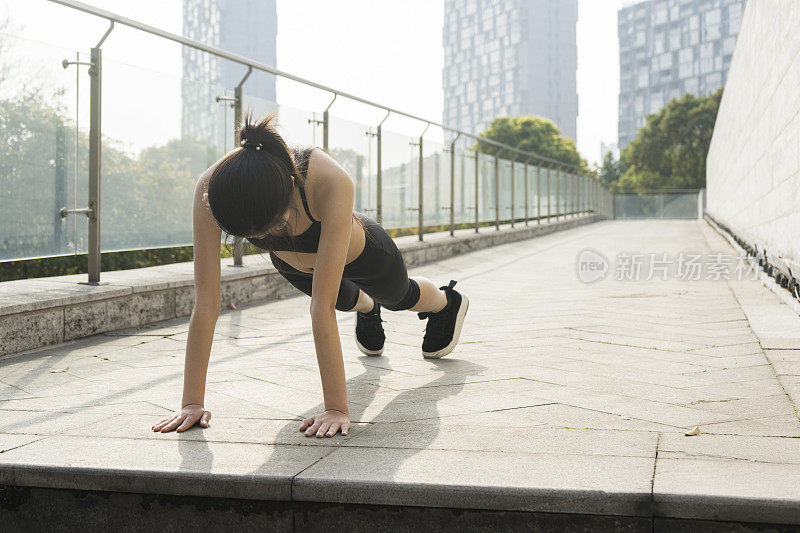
[113, 17]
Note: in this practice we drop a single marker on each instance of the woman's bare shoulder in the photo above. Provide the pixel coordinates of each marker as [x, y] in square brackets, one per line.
[321, 164]
[322, 172]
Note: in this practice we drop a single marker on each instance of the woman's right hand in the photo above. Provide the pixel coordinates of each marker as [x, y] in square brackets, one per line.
[184, 419]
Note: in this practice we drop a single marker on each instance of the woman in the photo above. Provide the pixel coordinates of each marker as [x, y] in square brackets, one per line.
[343, 259]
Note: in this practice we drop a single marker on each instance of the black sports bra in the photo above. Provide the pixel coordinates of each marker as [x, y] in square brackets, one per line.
[308, 241]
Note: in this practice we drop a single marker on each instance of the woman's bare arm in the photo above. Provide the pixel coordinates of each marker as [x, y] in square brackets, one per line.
[336, 215]
[206, 239]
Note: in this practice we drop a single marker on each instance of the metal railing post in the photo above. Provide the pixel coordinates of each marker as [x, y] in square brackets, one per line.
[477, 172]
[538, 194]
[573, 190]
[421, 191]
[576, 195]
[419, 207]
[326, 124]
[571, 197]
[453, 185]
[496, 192]
[95, 147]
[584, 181]
[558, 193]
[601, 203]
[92, 211]
[527, 213]
[236, 104]
[595, 198]
[512, 188]
[379, 192]
[549, 202]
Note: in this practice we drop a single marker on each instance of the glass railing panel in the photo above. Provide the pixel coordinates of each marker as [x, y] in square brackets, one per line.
[679, 205]
[296, 126]
[486, 187]
[635, 206]
[44, 110]
[504, 189]
[354, 147]
[519, 191]
[569, 192]
[399, 155]
[533, 192]
[152, 159]
[464, 186]
[656, 205]
[436, 183]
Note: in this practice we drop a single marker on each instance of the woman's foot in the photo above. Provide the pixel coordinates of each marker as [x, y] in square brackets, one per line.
[444, 327]
[369, 333]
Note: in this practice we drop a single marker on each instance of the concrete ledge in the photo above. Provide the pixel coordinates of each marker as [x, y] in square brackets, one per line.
[46, 311]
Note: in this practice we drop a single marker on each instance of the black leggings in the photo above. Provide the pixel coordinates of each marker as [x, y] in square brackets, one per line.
[379, 271]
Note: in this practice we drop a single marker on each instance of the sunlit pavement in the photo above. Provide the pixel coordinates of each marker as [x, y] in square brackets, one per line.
[561, 397]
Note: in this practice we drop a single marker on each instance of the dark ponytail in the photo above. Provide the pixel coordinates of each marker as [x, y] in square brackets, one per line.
[251, 188]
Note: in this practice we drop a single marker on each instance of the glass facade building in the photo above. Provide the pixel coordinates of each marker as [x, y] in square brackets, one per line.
[668, 48]
[509, 58]
[245, 27]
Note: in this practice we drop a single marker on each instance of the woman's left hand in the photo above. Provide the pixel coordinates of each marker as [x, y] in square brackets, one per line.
[326, 424]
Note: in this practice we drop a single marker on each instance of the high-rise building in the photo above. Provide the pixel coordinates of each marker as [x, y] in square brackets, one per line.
[609, 147]
[510, 58]
[668, 48]
[245, 27]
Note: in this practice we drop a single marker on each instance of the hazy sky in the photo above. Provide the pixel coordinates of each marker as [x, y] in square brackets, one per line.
[386, 51]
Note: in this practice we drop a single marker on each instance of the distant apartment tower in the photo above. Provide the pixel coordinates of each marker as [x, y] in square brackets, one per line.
[668, 48]
[245, 27]
[609, 147]
[509, 58]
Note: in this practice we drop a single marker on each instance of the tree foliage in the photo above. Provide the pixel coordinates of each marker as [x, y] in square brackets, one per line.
[670, 150]
[532, 134]
[146, 199]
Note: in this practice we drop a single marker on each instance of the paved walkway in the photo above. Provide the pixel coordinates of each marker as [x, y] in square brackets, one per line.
[562, 396]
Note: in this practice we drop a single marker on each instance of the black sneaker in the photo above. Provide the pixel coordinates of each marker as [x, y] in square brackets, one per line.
[369, 332]
[444, 327]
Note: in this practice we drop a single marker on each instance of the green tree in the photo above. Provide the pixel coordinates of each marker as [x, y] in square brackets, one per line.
[146, 200]
[609, 170]
[670, 150]
[532, 134]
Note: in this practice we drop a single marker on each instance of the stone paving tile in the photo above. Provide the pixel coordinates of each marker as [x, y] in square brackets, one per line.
[46, 422]
[767, 426]
[448, 434]
[785, 362]
[556, 387]
[754, 479]
[552, 415]
[778, 404]
[9, 441]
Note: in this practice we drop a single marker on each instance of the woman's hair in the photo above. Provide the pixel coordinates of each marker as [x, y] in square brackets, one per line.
[251, 187]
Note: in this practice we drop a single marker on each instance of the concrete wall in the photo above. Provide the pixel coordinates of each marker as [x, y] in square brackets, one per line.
[753, 172]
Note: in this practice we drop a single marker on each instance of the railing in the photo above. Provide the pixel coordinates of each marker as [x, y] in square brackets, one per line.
[660, 204]
[402, 181]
